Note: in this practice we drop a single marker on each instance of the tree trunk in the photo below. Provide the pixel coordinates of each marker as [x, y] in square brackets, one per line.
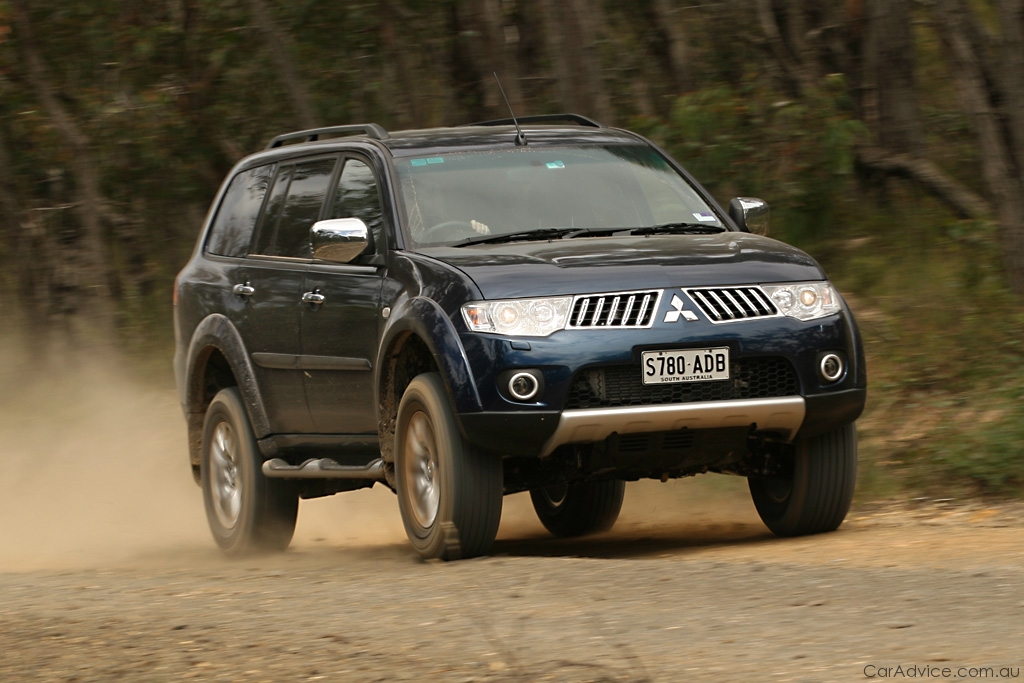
[1011, 14]
[487, 44]
[959, 199]
[890, 70]
[987, 104]
[570, 28]
[675, 39]
[280, 52]
[89, 200]
[798, 78]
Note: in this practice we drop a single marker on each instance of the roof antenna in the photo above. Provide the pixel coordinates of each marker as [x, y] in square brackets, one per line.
[520, 138]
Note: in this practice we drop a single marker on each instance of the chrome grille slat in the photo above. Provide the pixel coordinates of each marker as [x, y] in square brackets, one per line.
[705, 305]
[614, 310]
[732, 304]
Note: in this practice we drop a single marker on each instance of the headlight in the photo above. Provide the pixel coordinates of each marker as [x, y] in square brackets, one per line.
[518, 317]
[804, 300]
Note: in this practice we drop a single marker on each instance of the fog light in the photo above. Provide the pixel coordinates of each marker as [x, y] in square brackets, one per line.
[831, 367]
[523, 386]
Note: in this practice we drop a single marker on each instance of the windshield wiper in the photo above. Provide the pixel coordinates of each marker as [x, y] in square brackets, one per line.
[523, 236]
[679, 229]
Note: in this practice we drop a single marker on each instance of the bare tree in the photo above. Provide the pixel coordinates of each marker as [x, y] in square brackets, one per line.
[89, 204]
[991, 89]
[668, 23]
[571, 29]
[891, 104]
[492, 42]
[280, 53]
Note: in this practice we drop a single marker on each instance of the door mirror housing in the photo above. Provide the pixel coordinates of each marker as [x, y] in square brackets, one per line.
[340, 240]
[750, 214]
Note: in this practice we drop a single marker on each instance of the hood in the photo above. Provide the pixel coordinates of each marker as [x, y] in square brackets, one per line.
[610, 264]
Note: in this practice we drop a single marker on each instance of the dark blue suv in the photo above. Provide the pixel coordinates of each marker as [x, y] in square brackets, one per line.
[462, 313]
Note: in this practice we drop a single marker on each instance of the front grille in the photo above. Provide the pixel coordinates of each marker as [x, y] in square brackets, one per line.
[621, 385]
[726, 304]
[616, 310]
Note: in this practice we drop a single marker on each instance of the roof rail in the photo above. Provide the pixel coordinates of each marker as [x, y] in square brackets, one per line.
[370, 130]
[543, 118]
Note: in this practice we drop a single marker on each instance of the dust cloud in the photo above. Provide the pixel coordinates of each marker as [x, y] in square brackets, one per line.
[95, 474]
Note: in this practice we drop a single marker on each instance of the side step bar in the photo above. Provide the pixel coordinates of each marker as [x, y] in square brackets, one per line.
[324, 468]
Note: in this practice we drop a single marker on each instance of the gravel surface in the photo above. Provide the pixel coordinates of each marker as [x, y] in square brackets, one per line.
[107, 573]
[644, 603]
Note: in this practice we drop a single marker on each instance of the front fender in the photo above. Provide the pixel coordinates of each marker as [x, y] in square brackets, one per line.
[424, 318]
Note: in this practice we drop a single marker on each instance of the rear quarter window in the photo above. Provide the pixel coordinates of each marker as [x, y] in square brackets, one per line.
[233, 226]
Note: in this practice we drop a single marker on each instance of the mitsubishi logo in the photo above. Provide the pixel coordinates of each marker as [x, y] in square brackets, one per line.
[673, 315]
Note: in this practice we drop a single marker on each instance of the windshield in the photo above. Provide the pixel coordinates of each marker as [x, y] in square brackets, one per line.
[461, 196]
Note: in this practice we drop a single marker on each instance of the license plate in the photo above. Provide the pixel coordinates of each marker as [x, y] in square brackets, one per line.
[684, 365]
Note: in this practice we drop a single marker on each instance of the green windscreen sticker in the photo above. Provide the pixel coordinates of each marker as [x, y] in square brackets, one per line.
[424, 162]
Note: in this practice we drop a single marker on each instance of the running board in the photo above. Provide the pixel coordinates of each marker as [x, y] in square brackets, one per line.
[324, 468]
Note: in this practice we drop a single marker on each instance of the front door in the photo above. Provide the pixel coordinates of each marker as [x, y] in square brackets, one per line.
[340, 335]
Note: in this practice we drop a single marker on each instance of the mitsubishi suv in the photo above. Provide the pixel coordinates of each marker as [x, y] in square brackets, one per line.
[545, 305]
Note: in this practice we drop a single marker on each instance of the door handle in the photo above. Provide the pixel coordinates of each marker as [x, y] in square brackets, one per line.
[315, 298]
[244, 290]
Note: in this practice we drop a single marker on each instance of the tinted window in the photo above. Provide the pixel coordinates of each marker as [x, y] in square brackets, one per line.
[356, 197]
[285, 231]
[233, 226]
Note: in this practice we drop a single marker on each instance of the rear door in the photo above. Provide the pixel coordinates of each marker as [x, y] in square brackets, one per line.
[274, 274]
[340, 335]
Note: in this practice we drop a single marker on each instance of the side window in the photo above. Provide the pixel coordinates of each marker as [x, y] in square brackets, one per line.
[232, 228]
[356, 197]
[294, 206]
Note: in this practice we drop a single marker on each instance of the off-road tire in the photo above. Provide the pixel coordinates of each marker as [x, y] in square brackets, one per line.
[247, 512]
[449, 493]
[579, 508]
[816, 496]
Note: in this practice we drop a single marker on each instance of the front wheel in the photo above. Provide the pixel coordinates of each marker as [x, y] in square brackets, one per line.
[815, 494]
[449, 494]
[579, 508]
[246, 511]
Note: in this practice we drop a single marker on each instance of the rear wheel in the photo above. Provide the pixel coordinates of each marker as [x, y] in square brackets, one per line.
[815, 495]
[246, 511]
[449, 494]
[579, 508]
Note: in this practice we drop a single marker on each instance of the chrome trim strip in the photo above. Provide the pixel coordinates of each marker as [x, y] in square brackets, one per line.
[649, 305]
[719, 311]
[784, 415]
[629, 308]
[743, 295]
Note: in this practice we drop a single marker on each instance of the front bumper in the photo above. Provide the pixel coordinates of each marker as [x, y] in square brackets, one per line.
[539, 433]
[812, 405]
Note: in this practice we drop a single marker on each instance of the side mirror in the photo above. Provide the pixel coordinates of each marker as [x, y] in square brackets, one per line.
[751, 214]
[339, 240]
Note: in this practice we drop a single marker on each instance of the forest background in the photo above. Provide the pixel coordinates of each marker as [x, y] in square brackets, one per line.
[887, 135]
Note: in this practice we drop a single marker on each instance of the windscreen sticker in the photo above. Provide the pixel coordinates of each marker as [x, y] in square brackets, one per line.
[424, 162]
[707, 217]
[555, 164]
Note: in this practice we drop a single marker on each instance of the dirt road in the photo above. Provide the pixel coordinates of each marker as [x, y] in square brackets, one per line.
[107, 573]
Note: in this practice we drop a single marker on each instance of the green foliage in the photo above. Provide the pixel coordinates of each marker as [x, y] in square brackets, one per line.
[752, 141]
[943, 339]
[170, 95]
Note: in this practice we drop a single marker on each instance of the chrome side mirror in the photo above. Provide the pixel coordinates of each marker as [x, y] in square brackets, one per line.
[751, 214]
[339, 240]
